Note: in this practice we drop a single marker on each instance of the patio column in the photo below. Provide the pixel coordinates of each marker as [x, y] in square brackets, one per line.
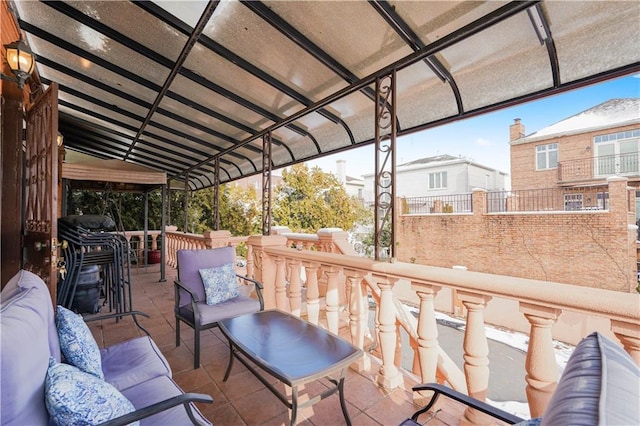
[388, 377]
[541, 366]
[476, 349]
[266, 184]
[385, 161]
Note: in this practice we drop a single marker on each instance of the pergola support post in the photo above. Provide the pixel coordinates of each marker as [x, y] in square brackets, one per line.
[163, 235]
[385, 162]
[266, 184]
[216, 195]
[145, 253]
[185, 201]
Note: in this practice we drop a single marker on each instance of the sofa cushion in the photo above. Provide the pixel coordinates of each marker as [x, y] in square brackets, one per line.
[220, 283]
[159, 389]
[600, 385]
[77, 343]
[74, 397]
[133, 361]
[27, 339]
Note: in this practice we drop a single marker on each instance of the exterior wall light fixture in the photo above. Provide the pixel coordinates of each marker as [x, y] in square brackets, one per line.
[21, 62]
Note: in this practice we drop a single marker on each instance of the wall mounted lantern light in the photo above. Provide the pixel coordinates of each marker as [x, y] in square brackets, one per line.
[21, 61]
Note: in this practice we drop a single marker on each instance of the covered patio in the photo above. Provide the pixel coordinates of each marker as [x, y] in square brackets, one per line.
[211, 92]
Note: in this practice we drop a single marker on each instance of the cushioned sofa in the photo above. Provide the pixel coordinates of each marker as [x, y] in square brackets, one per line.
[132, 381]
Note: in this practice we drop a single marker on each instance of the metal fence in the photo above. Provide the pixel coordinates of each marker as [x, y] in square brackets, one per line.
[457, 203]
[599, 167]
[547, 199]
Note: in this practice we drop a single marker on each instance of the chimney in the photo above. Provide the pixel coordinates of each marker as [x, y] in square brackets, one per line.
[341, 166]
[516, 130]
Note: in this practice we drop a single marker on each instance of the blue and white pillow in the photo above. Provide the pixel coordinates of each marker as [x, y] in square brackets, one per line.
[74, 397]
[220, 283]
[77, 343]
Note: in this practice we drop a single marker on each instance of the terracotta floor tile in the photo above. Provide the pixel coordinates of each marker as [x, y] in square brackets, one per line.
[224, 415]
[257, 407]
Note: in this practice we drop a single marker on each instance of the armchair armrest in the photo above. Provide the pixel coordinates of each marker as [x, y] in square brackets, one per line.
[259, 288]
[464, 399]
[119, 315]
[158, 407]
[179, 285]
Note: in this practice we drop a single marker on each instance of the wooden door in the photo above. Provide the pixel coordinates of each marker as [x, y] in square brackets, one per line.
[40, 248]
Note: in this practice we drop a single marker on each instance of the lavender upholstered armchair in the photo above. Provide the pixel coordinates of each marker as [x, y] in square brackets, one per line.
[191, 298]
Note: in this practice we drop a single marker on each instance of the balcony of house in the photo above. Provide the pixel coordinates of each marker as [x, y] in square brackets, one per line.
[598, 169]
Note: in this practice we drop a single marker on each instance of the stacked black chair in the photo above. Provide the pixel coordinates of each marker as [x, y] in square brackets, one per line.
[91, 245]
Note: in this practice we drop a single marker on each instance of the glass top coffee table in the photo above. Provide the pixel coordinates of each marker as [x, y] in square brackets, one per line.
[293, 351]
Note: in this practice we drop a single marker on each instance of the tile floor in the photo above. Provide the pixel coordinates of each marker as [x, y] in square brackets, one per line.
[243, 400]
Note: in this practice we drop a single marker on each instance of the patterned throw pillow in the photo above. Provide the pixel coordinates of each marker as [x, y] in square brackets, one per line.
[77, 343]
[74, 397]
[220, 283]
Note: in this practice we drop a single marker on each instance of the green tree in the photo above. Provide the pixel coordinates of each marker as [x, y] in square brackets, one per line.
[310, 199]
[240, 210]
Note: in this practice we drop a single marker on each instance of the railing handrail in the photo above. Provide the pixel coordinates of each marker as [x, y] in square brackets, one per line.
[620, 306]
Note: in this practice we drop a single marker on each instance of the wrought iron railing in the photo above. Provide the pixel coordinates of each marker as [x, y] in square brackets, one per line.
[599, 167]
[455, 203]
[547, 199]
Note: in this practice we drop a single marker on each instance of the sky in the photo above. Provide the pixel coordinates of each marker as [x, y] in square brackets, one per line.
[485, 138]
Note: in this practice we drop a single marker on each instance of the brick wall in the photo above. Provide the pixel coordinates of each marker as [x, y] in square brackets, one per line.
[571, 147]
[591, 248]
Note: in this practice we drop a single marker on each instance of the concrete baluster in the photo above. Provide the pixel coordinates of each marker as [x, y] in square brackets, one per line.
[295, 287]
[313, 295]
[332, 299]
[476, 350]
[388, 377]
[629, 335]
[427, 338]
[358, 312]
[541, 365]
[250, 264]
[281, 284]
[154, 242]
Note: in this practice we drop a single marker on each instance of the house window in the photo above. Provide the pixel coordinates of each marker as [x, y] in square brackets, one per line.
[617, 153]
[547, 156]
[438, 180]
[573, 202]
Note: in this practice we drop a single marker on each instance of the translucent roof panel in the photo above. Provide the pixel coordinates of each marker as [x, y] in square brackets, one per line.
[125, 18]
[593, 37]
[489, 67]
[330, 25]
[189, 82]
[256, 41]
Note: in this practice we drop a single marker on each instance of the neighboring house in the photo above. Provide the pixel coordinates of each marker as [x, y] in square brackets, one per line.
[353, 186]
[441, 175]
[578, 154]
